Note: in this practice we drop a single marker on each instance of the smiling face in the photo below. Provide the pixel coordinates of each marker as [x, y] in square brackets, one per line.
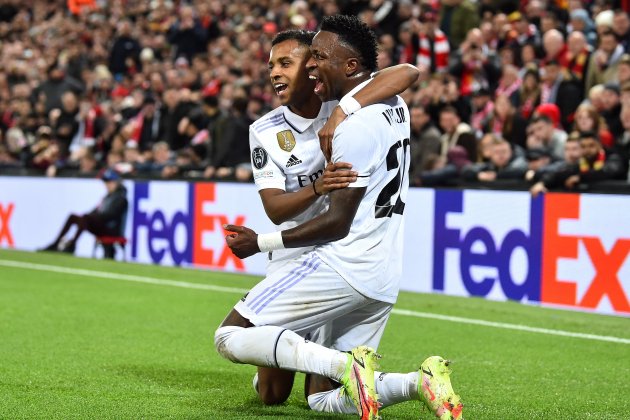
[327, 65]
[287, 70]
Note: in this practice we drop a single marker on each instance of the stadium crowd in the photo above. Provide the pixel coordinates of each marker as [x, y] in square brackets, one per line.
[534, 91]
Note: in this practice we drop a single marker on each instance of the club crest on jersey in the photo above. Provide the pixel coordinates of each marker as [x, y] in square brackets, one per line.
[259, 157]
[286, 141]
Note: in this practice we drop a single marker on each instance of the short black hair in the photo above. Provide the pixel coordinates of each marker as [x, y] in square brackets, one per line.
[589, 135]
[301, 36]
[355, 33]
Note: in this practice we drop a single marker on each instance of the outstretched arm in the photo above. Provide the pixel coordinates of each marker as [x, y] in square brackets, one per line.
[385, 84]
[330, 226]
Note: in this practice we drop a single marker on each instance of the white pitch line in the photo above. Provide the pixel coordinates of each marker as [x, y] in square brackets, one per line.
[403, 312]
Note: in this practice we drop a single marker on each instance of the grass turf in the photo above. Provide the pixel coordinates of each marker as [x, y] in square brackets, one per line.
[84, 346]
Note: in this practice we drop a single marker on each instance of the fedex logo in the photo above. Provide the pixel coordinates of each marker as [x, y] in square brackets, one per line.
[487, 245]
[6, 211]
[586, 247]
[175, 222]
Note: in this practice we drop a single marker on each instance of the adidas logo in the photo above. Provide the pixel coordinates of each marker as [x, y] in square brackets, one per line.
[293, 160]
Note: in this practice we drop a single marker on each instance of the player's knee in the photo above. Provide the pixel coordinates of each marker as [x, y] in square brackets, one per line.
[222, 341]
[272, 395]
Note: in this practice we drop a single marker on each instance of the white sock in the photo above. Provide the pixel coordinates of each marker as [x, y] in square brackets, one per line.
[277, 347]
[333, 401]
[392, 388]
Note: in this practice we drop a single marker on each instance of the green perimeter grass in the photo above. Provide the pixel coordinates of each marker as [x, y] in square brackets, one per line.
[85, 347]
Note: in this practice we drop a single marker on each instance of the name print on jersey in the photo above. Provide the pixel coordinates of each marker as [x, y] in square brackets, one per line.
[395, 115]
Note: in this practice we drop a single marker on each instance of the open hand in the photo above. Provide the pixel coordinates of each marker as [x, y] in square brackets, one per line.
[242, 241]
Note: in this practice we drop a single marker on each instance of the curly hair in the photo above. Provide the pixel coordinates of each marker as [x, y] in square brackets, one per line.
[355, 34]
[301, 36]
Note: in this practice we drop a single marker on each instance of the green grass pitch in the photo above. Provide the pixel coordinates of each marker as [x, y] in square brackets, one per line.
[90, 339]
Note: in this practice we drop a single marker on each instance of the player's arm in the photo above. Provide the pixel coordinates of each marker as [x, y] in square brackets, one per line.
[330, 226]
[281, 206]
[384, 84]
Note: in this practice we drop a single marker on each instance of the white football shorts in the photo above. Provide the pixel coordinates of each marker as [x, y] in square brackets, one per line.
[306, 294]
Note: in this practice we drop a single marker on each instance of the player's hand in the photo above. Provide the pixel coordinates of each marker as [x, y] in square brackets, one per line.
[336, 176]
[328, 130]
[242, 241]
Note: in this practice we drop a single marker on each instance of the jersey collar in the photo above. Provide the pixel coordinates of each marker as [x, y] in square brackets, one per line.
[301, 124]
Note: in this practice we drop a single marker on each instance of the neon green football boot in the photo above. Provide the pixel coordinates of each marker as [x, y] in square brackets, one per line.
[358, 381]
[436, 391]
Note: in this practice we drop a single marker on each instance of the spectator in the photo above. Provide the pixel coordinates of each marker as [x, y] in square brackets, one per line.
[50, 91]
[595, 164]
[482, 109]
[507, 123]
[557, 89]
[503, 165]
[443, 171]
[543, 134]
[425, 140]
[456, 18]
[587, 118]
[544, 177]
[456, 132]
[578, 54]
[105, 220]
[124, 57]
[433, 46]
[474, 68]
[555, 48]
[527, 98]
[148, 125]
[611, 108]
[230, 154]
[621, 28]
[187, 35]
[603, 63]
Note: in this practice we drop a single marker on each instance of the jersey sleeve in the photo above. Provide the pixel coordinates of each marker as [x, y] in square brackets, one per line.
[354, 143]
[267, 174]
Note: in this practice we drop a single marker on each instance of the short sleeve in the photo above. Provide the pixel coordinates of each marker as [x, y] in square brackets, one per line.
[354, 143]
[266, 173]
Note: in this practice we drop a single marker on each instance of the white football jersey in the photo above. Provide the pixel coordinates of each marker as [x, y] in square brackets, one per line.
[286, 155]
[375, 140]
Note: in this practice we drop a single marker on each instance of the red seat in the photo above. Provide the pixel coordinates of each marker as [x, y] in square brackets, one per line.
[111, 240]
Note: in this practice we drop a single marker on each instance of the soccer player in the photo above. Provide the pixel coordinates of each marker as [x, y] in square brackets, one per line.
[351, 278]
[289, 167]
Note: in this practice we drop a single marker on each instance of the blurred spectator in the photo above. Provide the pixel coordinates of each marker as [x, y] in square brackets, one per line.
[187, 35]
[482, 108]
[507, 123]
[527, 98]
[587, 118]
[456, 18]
[456, 132]
[581, 23]
[105, 220]
[545, 176]
[474, 69]
[503, 164]
[555, 48]
[603, 63]
[578, 54]
[557, 89]
[230, 152]
[124, 57]
[542, 134]
[433, 46]
[621, 28]
[50, 91]
[611, 108]
[425, 140]
[595, 165]
[443, 171]
[148, 125]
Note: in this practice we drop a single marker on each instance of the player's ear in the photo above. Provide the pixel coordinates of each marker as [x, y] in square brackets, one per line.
[352, 66]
